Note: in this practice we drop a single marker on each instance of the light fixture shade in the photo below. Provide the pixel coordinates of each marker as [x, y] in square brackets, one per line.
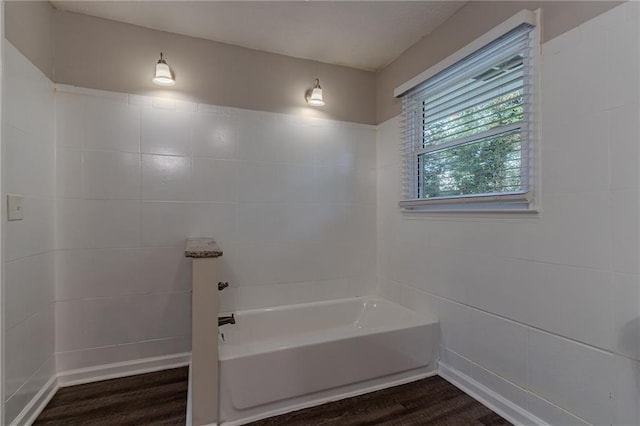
[316, 98]
[163, 74]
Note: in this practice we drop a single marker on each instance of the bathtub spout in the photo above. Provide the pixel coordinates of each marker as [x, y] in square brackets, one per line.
[226, 320]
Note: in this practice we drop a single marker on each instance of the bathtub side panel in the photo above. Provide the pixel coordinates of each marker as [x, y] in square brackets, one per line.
[265, 378]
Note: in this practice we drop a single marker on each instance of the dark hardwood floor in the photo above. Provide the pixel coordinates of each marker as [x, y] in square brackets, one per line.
[146, 399]
[161, 399]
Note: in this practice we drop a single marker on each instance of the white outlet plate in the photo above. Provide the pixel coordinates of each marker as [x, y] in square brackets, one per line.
[14, 207]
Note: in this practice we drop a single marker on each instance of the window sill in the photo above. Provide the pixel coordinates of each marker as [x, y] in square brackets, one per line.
[505, 204]
[524, 211]
[514, 202]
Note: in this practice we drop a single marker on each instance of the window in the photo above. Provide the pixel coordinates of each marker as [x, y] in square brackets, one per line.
[468, 129]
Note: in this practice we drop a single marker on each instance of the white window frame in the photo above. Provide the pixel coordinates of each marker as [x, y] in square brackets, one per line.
[523, 201]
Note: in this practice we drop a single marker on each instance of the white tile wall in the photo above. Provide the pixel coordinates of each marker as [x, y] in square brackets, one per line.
[551, 413]
[624, 146]
[28, 287]
[111, 175]
[28, 167]
[575, 377]
[215, 136]
[29, 345]
[109, 321]
[489, 332]
[84, 274]
[542, 309]
[86, 223]
[625, 338]
[73, 360]
[68, 172]
[187, 219]
[23, 148]
[166, 178]
[33, 235]
[288, 201]
[109, 125]
[17, 402]
[499, 385]
[216, 180]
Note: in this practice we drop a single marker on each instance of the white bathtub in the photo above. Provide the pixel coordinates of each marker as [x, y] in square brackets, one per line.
[281, 359]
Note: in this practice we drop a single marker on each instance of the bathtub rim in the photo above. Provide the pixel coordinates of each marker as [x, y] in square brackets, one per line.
[327, 302]
[421, 320]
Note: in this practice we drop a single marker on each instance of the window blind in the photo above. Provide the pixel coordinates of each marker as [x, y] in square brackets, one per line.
[467, 129]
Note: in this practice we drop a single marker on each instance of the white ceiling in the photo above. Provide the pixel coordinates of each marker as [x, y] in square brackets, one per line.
[359, 34]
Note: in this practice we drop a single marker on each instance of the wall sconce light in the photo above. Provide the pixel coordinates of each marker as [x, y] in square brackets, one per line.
[314, 97]
[163, 74]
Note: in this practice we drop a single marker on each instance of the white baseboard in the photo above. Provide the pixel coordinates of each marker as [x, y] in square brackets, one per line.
[122, 369]
[33, 409]
[499, 404]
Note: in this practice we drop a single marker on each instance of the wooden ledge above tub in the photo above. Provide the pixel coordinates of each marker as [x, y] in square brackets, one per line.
[202, 248]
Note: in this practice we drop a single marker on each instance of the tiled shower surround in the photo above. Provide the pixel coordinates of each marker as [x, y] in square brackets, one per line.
[290, 200]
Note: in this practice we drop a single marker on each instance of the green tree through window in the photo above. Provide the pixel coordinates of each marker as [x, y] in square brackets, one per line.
[468, 131]
[485, 165]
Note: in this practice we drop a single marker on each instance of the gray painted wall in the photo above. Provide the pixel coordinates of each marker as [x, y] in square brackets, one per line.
[29, 27]
[473, 20]
[104, 54]
[109, 55]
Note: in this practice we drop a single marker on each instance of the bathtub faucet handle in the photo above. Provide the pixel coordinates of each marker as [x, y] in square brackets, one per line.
[231, 319]
[222, 285]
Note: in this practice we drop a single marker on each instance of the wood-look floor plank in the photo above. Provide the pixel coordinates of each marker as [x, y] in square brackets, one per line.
[147, 399]
[161, 399]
